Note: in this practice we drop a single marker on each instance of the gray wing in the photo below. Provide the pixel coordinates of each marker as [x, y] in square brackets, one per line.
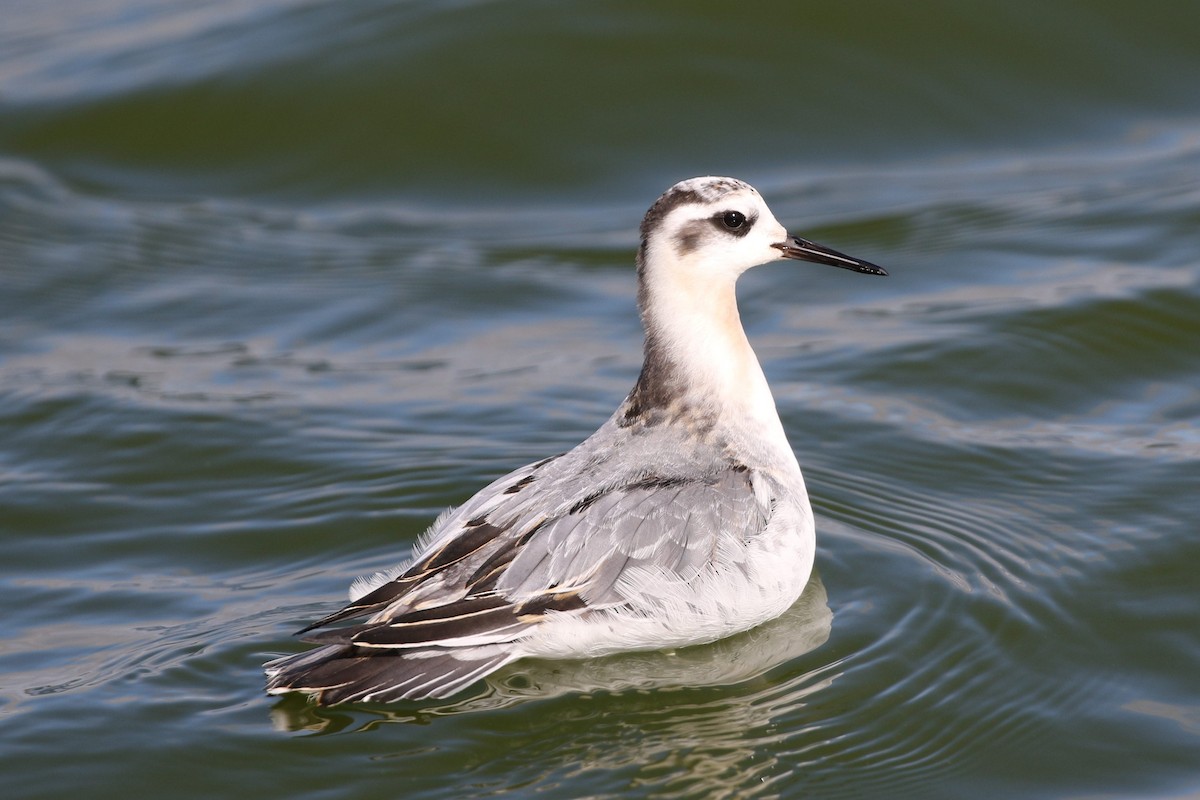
[671, 528]
[523, 548]
[526, 546]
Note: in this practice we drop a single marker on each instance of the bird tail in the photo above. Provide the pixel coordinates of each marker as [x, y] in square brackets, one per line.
[340, 673]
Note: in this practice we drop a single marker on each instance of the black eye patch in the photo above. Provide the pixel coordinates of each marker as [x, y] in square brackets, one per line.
[734, 222]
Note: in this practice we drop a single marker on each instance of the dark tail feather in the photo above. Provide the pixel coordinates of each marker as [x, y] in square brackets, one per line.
[342, 674]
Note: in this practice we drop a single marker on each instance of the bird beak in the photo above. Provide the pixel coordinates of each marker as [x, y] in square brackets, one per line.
[804, 250]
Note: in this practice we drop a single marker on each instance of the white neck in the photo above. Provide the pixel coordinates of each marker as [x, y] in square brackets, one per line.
[698, 360]
[696, 326]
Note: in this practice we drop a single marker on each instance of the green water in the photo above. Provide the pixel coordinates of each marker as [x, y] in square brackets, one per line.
[280, 281]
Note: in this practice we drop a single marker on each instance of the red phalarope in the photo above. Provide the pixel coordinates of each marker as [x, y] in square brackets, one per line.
[682, 520]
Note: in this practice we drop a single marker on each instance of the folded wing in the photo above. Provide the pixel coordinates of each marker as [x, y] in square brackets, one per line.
[526, 550]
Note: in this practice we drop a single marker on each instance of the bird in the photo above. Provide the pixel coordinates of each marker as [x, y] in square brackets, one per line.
[682, 520]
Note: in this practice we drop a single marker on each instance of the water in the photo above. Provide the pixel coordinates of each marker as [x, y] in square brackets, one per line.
[281, 281]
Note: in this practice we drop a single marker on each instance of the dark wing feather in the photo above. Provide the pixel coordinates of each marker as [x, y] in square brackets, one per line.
[476, 534]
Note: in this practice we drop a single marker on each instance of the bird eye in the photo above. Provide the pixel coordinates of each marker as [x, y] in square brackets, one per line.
[733, 220]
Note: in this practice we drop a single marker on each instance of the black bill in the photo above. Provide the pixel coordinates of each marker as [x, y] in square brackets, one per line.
[804, 250]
